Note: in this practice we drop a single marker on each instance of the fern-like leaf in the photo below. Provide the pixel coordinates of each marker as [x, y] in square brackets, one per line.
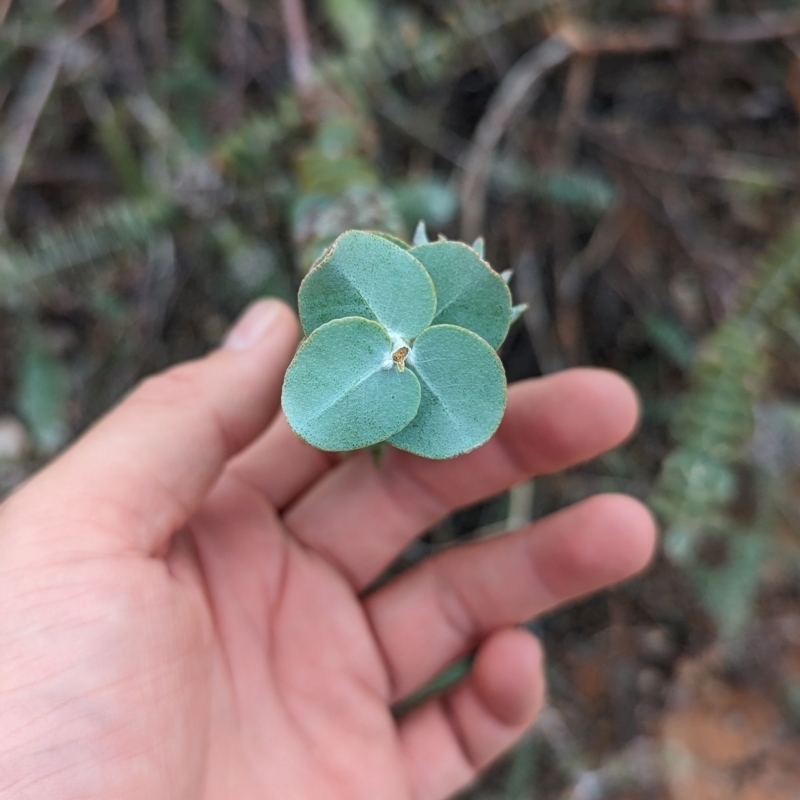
[713, 428]
[124, 226]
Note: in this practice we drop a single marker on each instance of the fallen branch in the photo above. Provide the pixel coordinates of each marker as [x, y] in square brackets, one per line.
[24, 115]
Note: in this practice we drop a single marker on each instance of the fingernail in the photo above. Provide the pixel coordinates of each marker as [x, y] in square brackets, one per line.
[251, 326]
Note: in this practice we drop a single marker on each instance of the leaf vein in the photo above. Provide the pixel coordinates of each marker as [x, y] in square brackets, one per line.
[342, 394]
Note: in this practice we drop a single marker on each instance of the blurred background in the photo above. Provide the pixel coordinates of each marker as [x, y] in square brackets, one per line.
[635, 162]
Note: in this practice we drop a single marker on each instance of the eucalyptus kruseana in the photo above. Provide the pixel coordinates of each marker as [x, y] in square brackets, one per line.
[400, 347]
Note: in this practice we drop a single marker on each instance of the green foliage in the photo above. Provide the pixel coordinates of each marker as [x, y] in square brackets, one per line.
[324, 183]
[590, 194]
[247, 150]
[363, 275]
[463, 393]
[777, 281]
[670, 339]
[460, 275]
[356, 22]
[339, 394]
[700, 480]
[173, 156]
[42, 397]
[383, 360]
[253, 267]
[124, 226]
[431, 199]
[339, 188]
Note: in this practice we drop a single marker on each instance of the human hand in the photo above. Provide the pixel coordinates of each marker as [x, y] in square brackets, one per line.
[180, 607]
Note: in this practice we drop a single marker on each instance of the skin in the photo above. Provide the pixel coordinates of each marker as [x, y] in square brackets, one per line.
[182, 606]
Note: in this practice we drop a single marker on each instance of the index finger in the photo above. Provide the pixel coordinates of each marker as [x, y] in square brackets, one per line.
[360, 517]
[141, 471]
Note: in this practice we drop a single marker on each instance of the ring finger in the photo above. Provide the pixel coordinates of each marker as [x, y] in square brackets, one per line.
[443, 608]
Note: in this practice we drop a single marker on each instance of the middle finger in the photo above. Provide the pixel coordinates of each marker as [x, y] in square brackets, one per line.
[360, 517]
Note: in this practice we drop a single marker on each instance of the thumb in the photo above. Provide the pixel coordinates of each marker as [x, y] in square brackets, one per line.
[138, 474]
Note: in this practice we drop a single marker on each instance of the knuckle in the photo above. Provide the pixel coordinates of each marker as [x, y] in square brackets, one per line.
[455, 612]
[176, 386]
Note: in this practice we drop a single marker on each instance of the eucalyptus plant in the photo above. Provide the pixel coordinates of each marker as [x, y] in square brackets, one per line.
[400, 347]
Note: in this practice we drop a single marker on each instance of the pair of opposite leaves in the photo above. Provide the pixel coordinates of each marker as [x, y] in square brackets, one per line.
[400, 347]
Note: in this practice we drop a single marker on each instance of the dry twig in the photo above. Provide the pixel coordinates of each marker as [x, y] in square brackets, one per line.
[299, 44]
[592, 40]
[18, 130]
[577, 92]
[518, 89]
[33, 95]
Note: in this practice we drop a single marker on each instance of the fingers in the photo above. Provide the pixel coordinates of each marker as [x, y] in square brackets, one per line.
[139, 474]
[449, 740]
[360, 517]
[441, 609]
[481, 588]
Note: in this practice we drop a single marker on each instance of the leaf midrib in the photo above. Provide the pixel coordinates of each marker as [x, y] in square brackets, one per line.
[349, 281]
[343, 394]
[461, 291]
[421, 375]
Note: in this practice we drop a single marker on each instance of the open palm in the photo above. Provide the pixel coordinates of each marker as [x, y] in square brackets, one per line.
[182, 594]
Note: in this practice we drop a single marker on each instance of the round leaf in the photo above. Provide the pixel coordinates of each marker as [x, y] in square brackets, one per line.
[393, 239]
[463, 393]
[367, 275]
[469, 293]
[343, 391]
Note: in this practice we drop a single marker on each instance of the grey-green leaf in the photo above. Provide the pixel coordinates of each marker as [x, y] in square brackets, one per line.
[390, 238]
[463, 393]
[43, 398]
[366, 275]
[421, 234]
[343, 391]
[518, 311]
[469, 293]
